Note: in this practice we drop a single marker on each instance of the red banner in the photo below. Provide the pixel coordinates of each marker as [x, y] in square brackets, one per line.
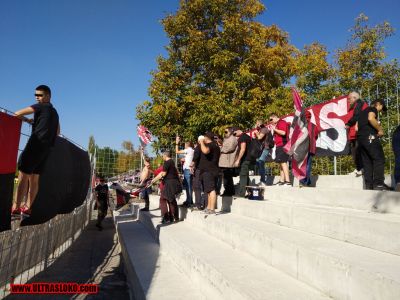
[10, 130]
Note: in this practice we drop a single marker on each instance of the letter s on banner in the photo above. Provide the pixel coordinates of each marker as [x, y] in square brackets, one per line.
[333, 140]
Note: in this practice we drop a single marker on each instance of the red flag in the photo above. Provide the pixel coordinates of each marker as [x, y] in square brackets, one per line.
[144, 134]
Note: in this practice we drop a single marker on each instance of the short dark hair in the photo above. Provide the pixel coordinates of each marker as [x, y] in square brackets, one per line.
[44, 88]
[382, 102]
[167, 153]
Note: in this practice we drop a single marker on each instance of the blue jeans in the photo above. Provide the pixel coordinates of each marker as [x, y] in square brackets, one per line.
[187, 177]
[261, 164]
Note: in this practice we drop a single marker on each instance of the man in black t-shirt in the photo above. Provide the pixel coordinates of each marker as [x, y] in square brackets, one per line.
[45, 128]
[172, 187]
[368, 134]
[243, 160]
[101, 201]
[209, 170]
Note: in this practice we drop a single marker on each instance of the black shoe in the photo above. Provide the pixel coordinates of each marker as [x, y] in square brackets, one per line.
[382, 187]
[144, 209]
[165, 221]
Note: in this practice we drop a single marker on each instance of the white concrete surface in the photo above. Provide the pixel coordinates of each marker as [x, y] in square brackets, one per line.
[372, 230]
[336, 268]
[150, 274]
[222, 272]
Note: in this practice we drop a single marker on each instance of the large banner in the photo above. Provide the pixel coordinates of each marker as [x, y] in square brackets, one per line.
[330, 118]
[10, 129]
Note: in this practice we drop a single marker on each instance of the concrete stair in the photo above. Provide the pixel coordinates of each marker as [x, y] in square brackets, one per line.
[299, 243]
[220, 271]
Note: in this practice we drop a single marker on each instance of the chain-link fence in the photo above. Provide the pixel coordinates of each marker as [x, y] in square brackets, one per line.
[28, 250]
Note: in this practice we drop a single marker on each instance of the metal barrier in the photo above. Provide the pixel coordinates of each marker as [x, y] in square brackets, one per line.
[28, 250]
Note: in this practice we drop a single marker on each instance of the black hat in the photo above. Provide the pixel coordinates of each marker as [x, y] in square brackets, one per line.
[382, 102]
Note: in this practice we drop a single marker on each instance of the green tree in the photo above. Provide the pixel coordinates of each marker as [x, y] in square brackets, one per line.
[91, 145]
[222, 68]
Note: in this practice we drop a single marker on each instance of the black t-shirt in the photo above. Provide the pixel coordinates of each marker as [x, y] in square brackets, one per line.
[244, 138]
[169, 167]
[102, 192]
[209, 162]
[364, 127]
[196, 156]
[45, 123]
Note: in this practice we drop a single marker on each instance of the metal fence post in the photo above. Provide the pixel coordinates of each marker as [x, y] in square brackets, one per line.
[47, 247]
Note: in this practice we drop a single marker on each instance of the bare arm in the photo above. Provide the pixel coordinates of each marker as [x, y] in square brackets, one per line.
[159, 176]
[204, 148]
[241, 153]
[280, 132]
[374, 123]
[25, 111]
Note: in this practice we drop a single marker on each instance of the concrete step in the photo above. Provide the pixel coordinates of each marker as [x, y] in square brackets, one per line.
[382, 201]
[340, 270]
[324, 181]
[150, 274]
[222, 272]
[372, 230]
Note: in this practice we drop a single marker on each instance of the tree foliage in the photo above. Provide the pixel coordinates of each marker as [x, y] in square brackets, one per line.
[223, 68]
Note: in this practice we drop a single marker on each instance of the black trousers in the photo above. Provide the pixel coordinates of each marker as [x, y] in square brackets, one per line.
[228, 181]
[199, 197]
[373, 160]
[355, 153]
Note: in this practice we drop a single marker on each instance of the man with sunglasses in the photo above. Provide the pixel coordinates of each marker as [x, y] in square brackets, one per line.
[45, 128]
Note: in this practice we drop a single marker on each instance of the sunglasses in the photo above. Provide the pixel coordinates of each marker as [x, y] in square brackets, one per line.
[271, 119]
[39, 95]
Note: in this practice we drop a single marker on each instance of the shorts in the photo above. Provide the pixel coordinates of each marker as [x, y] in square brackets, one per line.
[209, 181]
[33, 158]
[280, 155]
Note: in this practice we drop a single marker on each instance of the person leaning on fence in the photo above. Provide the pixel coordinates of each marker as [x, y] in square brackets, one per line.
[101, 191]
[45, 128]
[356, 106]
[187, 174]
[243, 160]
[373, 157]
[144, 180]
[227, 161]
[172, 187]
[280, 128]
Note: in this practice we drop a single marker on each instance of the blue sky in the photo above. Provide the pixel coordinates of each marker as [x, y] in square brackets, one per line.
[97, 55]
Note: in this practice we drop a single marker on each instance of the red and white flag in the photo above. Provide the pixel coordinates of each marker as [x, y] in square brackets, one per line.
[144, 135]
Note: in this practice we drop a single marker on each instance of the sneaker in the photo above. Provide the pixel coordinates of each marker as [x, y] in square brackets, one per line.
[382, 187]
[205, 211]
[356, 173]
[279, 183]
[210, 212]
[25, 211]
[16, 211]
[286, 183]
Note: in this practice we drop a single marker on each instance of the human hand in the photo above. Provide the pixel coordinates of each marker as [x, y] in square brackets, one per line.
[380, 133]
[236, 163]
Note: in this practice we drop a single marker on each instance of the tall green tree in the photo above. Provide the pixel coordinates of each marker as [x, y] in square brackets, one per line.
[222, 68]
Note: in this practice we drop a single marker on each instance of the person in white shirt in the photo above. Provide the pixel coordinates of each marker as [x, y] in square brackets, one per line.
[187, 174]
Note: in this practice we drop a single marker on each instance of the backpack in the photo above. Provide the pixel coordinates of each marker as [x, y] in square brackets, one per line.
[256, 148]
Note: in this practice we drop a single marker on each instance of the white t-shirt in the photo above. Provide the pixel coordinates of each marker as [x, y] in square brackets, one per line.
[189, 152]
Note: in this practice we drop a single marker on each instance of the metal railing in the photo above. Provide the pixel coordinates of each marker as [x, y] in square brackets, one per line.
[28, 250]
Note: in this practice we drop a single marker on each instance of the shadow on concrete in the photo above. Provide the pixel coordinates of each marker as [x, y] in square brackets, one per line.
[94, 257]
